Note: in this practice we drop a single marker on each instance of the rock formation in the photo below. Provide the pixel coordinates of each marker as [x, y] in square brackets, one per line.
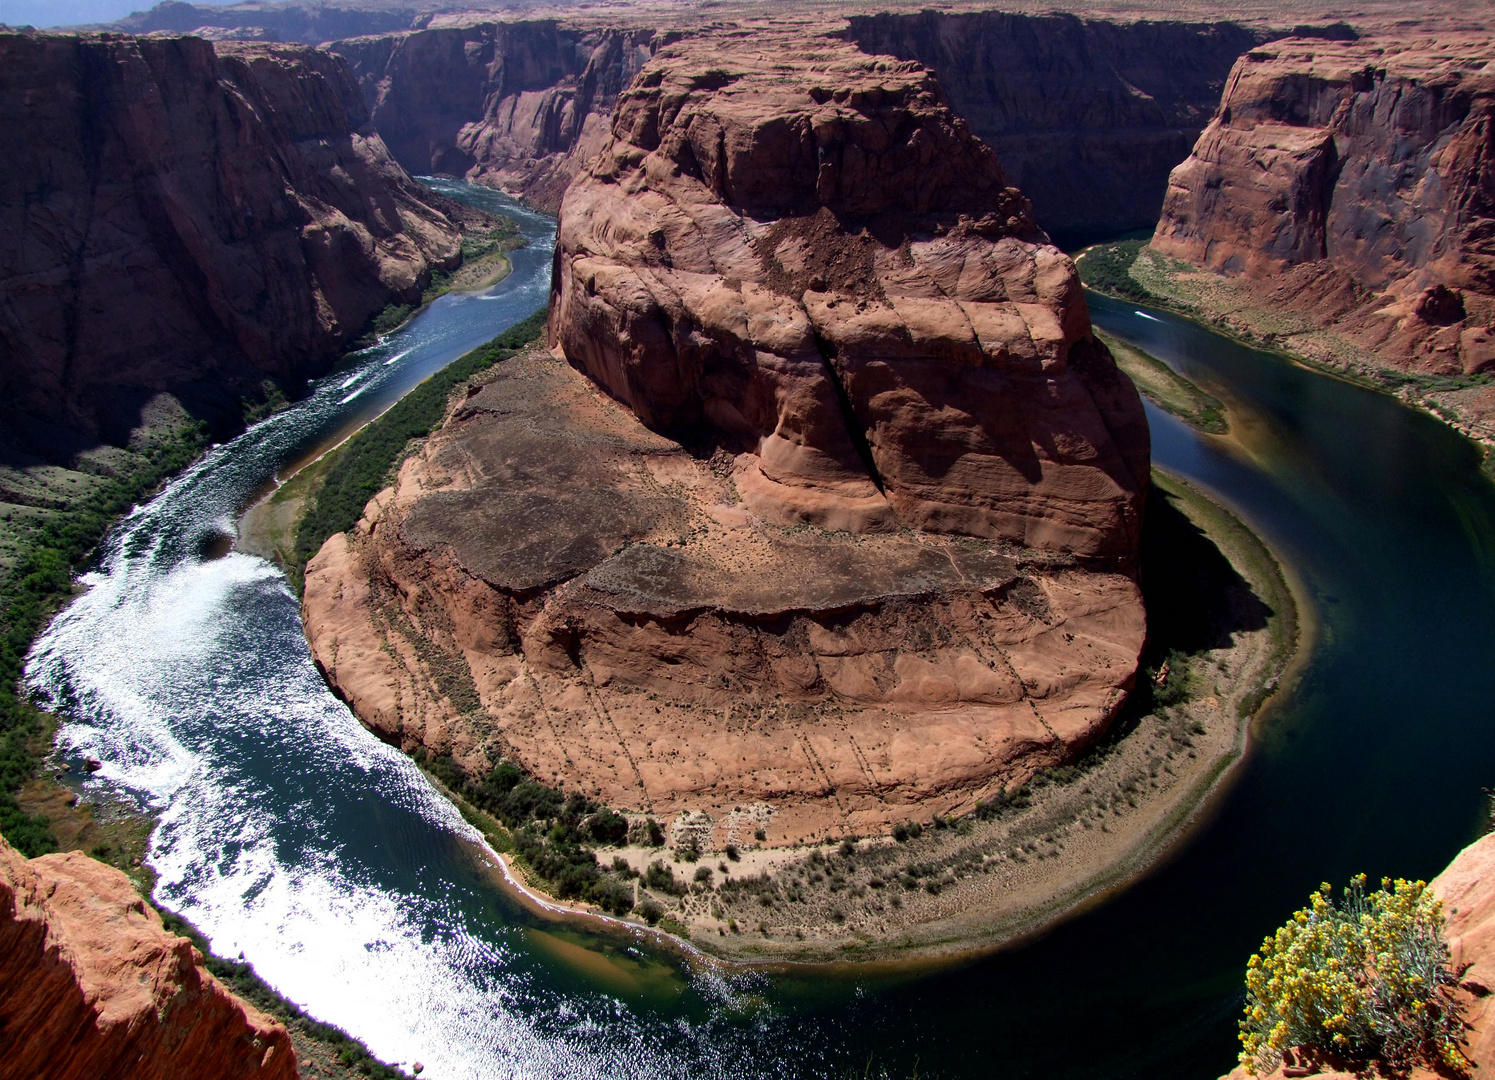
[1087, 115]
[310, 23]
[824, 269]
[519, 105]
[93, 987]
[894, 572]
[1467, 889]
[183, 219]
[1354, 184]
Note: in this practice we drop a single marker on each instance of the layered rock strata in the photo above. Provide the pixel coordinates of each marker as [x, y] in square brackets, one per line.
[823, 269]
[176, 217]
[552, 582]
[518, 105]
[1353, 184]
[92, 986]
[893, 572]
[1088, 115]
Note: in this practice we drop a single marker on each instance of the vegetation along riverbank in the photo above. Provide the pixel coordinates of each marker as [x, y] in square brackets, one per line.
[1133, 271]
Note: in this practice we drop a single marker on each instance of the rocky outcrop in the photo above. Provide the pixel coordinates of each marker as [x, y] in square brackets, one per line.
[819, 265]
[519, 105]
[179, 218]
[849, 539]
[93, 987]
[1087, 115]
[1467, 889]
[1354, 184]
[550, 581]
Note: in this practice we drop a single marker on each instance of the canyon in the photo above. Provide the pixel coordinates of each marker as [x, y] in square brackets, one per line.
[819, 513]
[93, 986]
[1087, 114]
[1340, 205]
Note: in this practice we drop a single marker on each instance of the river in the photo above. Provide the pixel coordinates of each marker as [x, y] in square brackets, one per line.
[291, 835]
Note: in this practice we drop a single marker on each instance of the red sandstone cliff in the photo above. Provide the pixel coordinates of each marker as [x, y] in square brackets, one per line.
[1088, 115]
[179, 218]
[93, 988]
[1354, 183]
[818, 264]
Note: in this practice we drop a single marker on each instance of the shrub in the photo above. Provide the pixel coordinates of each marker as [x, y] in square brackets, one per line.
[661, 878]
[1107, 267]
[608, 827]
[652, 911]
[1366, 980]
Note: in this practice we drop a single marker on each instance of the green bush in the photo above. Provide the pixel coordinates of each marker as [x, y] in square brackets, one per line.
[1106, 267]
[362, 466]
[1365, 981]
[660, 878]
[551, 829]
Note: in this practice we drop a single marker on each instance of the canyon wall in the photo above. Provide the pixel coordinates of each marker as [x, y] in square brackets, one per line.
[175, 218]
[850, 537]
[92, 987]
[824, 268]
[1087, 115]
[520, 105]
[310, 23]
[1354, 185]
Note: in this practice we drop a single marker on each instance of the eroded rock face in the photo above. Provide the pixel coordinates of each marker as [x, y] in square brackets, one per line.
[1362, 176]
[521, 105]
[179, 217]
[814, 262]
[893, 572]
[1087, 115]
[553, 582]
[92, 987]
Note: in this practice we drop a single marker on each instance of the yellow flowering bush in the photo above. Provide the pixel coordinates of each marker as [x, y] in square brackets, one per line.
[1365, 980]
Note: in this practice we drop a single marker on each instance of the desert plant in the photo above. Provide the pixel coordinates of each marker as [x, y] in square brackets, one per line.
[1365, 980]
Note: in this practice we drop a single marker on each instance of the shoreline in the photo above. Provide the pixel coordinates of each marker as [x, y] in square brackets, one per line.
[1421, 401]
[973, 929]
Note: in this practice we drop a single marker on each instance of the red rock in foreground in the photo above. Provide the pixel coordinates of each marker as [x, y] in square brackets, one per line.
[92, 987]
[1353, 183]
